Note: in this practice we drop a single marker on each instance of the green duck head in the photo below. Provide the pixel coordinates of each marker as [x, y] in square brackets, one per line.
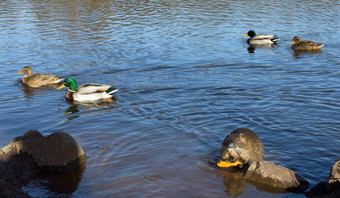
[251, 33]
[69, 82]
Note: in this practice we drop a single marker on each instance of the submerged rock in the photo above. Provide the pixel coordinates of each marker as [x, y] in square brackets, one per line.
[56, 152]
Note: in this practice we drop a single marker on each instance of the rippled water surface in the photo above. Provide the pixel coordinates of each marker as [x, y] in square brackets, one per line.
[186, 79]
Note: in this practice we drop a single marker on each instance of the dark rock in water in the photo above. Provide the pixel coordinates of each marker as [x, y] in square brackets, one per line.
[334, 177]
[23, 159]
[56, 152]
[265, 176]
[9, 190]
[334, 194]
[15, 172]
[330, 189]
[333, 186]
[275, 176]
[318, 191]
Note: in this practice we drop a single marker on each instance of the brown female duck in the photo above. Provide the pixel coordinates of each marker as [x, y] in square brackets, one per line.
[39, 79]
[305, 45]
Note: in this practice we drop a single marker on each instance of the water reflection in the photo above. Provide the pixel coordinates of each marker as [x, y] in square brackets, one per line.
[75, 108]
[235, 183]
[299, 53]
[52, 184]
[99, 39]
[252, 47]
[29, 92]
[64, 182]
[233, 178]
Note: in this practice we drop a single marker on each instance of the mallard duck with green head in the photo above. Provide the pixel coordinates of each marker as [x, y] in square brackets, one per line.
[260, 39]
[87, 92]
[38, 79]
[305, 45]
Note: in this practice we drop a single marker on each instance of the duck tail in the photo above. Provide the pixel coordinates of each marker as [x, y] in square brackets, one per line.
[59, 80]
[111, 90]
[275, 39]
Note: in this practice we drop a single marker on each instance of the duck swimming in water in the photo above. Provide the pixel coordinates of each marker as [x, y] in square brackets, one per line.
[305, 45]
[260, 39]
[87, 92]
[38, 79]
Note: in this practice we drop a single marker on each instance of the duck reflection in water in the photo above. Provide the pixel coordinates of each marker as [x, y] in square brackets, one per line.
[91, 107]
[300, 53]
[251, 48]
[72, 110]
[29, 92]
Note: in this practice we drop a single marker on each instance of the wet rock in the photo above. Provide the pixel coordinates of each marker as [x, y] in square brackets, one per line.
[9, 190]
[275, 176]
[318, 191]
[15, 172]
[56, 152]
[330, 189]
[25, 157]
[334, 177]
[333, 187]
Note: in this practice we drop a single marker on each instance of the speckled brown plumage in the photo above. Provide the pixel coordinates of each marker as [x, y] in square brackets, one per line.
[39, 79]
[305, 44]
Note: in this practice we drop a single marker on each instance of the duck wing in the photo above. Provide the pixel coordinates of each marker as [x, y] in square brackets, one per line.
[41, 79]
[309, 44]
[48, 78]
[90, 88]
[265, 37]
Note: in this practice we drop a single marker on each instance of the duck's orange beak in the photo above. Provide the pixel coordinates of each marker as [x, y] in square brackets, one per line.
[20, 72]
[291, 41]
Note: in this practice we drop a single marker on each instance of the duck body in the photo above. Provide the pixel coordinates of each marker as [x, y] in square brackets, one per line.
[39, 79]
[260, 39]
[87, 92]
[305, 45]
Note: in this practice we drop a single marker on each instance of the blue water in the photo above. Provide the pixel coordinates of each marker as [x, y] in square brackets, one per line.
[185, 80]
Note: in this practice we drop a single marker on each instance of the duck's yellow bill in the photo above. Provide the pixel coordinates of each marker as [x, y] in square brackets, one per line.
[224, 164]
[61, 86]
[20, 72]
[291, 41]
[245, 35]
